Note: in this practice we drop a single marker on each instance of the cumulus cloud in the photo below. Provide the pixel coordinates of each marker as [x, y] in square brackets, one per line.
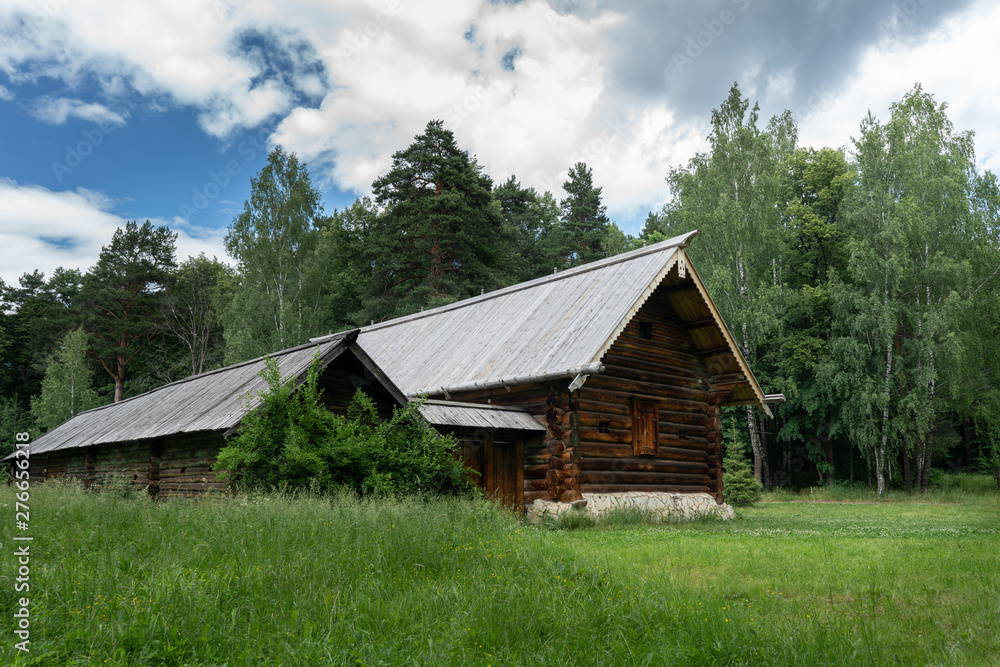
[528, 87]
[56, 111]
[44, 229]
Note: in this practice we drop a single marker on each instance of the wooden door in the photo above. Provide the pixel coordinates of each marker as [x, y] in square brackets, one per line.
[645, 427]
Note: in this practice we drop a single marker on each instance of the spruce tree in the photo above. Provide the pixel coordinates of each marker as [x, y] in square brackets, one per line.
[439, 237]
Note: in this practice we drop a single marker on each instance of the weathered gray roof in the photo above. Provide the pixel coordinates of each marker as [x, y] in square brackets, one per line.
[552, 326]
[450, 413]
[207, 402]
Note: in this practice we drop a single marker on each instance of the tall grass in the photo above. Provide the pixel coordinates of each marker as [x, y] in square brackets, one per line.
[279, 580]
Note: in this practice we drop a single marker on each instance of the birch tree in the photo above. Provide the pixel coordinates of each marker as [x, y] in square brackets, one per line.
[278, 297]
[730, 193]
[68, 387]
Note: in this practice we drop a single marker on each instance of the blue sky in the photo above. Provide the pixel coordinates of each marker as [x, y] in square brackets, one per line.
[164, 109]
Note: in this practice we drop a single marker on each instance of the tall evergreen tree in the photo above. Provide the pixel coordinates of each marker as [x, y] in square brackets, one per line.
[440, 236]
[530, 220]
[583, 226]
[36, 315]
[279, 298]
[123, 296]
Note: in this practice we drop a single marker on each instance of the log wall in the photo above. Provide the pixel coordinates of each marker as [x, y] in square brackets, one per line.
[665, 369]
[175, 466]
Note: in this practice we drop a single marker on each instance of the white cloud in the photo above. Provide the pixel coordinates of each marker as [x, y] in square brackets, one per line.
[375, 71]
[954, 65]
[43, 229]
[57, 111]
[6, 94]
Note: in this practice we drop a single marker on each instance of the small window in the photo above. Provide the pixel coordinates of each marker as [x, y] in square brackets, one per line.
[646, 330]
[603, 427]
[682, 435]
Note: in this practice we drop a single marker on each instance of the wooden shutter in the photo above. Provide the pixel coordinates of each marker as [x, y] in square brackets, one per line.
[645, 427]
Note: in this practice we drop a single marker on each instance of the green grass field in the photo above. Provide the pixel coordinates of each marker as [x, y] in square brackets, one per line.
[804, 579]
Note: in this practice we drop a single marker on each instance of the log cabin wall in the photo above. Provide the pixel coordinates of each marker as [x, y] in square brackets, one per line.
[174, 466]
[653, 378]
[551, 462]
[186, 465]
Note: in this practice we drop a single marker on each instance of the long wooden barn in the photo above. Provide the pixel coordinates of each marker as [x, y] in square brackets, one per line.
[603, 379]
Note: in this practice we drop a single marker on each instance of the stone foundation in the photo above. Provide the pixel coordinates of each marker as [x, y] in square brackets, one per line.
[670, 507]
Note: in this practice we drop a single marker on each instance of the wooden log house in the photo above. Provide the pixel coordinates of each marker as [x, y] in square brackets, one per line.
[605, 378]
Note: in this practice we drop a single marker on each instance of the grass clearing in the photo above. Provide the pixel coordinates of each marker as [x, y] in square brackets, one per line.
[271, 580]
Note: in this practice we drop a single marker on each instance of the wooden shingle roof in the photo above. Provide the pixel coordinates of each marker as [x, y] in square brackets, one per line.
[551, 327]
[211, 401]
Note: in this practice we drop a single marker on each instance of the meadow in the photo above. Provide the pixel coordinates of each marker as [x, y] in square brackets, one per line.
[831, 577]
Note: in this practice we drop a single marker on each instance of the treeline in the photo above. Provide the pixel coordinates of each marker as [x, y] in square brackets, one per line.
[436, 230]
[864, 285]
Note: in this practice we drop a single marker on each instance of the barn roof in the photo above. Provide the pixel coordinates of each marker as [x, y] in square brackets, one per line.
[555, 326]
[558, 326]
[475, 415]
[208, 402]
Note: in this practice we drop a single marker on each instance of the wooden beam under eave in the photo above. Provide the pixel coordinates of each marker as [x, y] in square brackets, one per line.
[700, 324]
[714, 352]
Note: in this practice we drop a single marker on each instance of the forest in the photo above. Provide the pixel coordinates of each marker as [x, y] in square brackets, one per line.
[861, 282]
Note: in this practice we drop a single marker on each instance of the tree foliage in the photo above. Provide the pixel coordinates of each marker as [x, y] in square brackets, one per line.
[123, 296]
[290, 440]
[67, 389]
[279, 296]
[438, 237]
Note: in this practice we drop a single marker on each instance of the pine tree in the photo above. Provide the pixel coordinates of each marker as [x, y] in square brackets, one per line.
[123, 295]
[439, 237]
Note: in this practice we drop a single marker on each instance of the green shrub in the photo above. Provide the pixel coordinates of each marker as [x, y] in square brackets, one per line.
[291, 441]
[740, 487]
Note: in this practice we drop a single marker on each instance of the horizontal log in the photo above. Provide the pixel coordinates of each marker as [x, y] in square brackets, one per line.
[671, 440]
[649, 388]
[604, 449]
[591, 405]
[681, 454]
[658, 363]
[532, 496]
[659, 346]
[615, 435]
[594, 419]
[535, 469]
[676, 361]
[619, 488]
[644, 464]
[625, 398]
[535, 485]
[640, 477]
[647, 375]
